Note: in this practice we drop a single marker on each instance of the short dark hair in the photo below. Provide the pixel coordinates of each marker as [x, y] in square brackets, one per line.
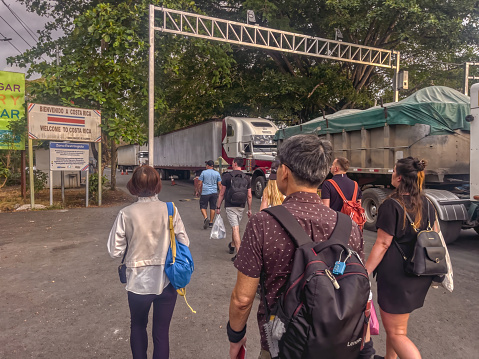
[308, 157]
[238, 161]
[343, 162]
[145, 182]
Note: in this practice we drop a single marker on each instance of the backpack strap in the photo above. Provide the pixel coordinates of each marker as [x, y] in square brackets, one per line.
[355, 194]
[333, 182]
[297, 234]
[290, 224]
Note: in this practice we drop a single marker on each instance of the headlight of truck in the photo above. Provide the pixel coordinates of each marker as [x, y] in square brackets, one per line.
[262, 140]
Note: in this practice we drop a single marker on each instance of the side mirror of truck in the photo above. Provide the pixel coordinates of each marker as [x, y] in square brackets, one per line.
[469, 118]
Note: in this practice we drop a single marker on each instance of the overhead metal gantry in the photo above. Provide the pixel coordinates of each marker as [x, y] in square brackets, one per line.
[206, 27]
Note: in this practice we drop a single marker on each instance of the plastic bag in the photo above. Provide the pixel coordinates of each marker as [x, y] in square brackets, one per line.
[448, 282]
[218, 231]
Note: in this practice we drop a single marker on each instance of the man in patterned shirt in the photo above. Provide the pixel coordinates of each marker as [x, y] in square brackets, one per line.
[266, 247]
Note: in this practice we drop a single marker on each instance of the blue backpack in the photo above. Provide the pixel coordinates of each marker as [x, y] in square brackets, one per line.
[179, 264]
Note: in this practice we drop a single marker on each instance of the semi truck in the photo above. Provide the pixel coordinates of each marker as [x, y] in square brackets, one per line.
[132, 156]
[433, 124]
[182, 151]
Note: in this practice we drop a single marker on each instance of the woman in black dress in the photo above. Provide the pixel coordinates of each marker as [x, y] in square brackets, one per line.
[398, 293]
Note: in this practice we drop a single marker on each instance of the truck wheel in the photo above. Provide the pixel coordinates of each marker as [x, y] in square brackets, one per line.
[450, 230]
[371, 200]
[258, 186]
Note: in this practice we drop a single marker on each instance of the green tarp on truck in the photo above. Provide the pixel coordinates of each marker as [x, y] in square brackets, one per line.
[440, 107]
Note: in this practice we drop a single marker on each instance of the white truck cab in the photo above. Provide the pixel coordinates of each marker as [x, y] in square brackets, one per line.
[249, 137]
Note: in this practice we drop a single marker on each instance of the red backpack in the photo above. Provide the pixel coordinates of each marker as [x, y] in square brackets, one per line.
[351, 208]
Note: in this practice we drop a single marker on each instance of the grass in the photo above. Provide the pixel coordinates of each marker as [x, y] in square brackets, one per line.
[11, 198]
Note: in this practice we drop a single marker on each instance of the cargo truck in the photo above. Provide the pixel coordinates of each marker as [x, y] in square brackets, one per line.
[432, 124]
[181, 151]
[132, 156]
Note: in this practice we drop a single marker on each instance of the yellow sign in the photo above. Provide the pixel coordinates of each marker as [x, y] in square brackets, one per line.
[12, 100]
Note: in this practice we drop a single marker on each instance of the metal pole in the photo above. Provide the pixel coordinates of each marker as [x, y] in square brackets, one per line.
[51, 188]
[466, 78]
[23, 180]
[58, 64]
[87, 183]
[99, 173]
[151, 88]
[396, 78]
[30, 165]
[62, 175]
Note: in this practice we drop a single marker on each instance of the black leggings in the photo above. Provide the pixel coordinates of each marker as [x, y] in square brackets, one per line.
[163, 306]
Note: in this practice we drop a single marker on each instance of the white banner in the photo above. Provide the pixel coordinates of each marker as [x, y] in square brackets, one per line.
[66, 156]
[47, 122]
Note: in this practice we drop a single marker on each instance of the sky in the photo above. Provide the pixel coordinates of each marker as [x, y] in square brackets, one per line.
[33, 21]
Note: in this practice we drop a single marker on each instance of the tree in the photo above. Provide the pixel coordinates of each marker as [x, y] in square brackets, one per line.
[198, 79]
[103, 64]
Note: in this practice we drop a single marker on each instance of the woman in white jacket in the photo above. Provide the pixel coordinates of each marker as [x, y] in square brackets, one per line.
[142, 230]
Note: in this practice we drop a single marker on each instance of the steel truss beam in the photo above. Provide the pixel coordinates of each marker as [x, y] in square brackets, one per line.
[206, 27]
[188, 24]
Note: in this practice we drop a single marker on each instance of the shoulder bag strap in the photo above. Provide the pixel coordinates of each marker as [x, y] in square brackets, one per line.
[407, 214]
[333, 182]
[171, 213]
[124, 254]
[410, 222]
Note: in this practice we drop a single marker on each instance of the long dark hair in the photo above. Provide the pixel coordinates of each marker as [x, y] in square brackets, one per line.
[411, 171]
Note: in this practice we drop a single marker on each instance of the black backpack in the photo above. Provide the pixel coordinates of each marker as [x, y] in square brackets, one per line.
[238, 191]
[429, 255]
[320, 314]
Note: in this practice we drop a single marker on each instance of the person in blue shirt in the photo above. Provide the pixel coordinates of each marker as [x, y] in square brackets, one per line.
[209, 180]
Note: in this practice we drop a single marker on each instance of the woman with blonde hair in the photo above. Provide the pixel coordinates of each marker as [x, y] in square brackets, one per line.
[399, 293]
[271, 194]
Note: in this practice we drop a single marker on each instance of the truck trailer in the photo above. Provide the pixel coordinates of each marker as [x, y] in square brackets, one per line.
[132, 156]
[181, 151]
[430, 124]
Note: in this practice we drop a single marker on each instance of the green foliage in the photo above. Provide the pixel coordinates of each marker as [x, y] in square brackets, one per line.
[104, 59]
[93, 185]
[39, 180]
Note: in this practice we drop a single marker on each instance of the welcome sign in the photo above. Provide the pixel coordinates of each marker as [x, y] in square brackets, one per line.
[47, 122]
[12, 100]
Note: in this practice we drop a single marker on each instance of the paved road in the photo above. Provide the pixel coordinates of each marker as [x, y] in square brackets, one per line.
[61, 297]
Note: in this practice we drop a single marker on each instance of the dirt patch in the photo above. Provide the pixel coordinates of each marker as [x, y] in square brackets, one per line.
[11, 198]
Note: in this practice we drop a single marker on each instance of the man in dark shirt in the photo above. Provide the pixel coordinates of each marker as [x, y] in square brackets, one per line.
[329, 195]
[266, 247]
[234, 212]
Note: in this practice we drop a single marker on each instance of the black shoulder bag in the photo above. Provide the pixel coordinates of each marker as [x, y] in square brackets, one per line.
[429, 256]
[122, 267]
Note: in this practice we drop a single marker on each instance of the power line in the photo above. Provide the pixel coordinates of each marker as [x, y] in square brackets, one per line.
[10, 43]
[1, 17]
[25, 26]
